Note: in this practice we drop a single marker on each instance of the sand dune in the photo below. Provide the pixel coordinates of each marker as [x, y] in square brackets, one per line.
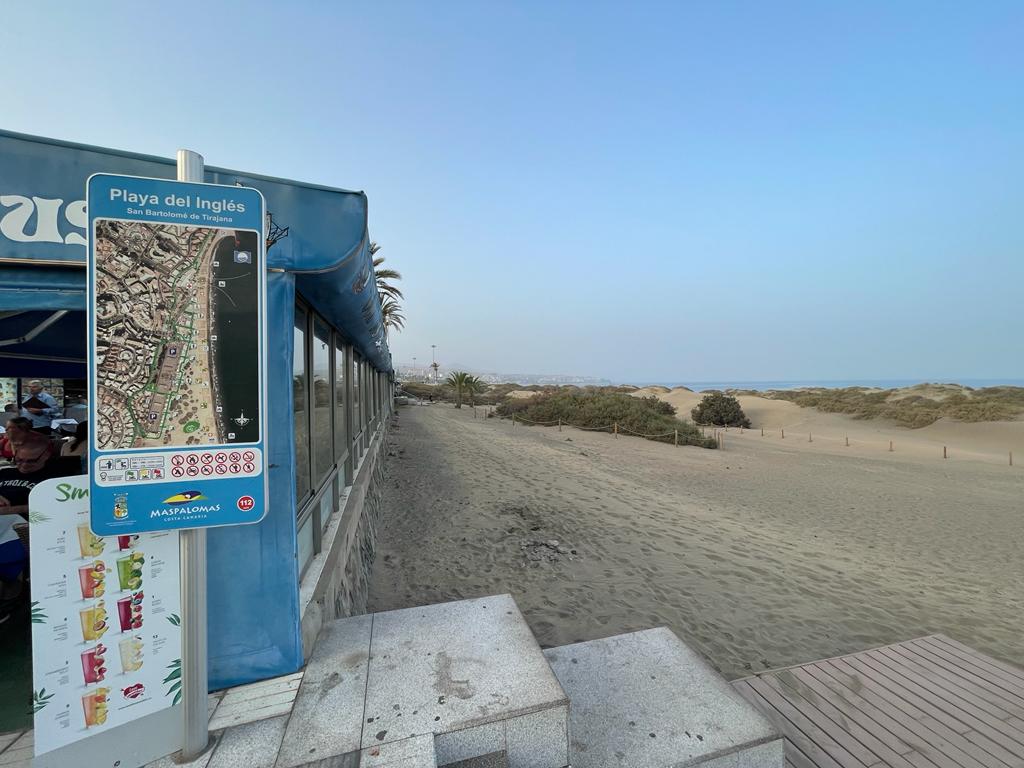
[983, 441]
[522, 394]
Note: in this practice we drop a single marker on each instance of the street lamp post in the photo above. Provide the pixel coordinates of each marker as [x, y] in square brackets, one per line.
[433, 361]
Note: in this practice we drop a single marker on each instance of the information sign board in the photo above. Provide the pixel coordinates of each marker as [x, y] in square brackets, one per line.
[177, 339]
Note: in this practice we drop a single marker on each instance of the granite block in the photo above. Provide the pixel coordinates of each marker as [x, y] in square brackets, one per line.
[646, 700]
[461, 745]
[539, 740]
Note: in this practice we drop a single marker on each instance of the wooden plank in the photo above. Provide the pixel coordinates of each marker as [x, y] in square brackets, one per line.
[871, 667]
[805, 697]
[1006, 667]
[838, 746]
[994, 677]
[850, 710]
[976, 659]
[847, 735]
[935, 719]
[976, 709]
[923, 742]
[947, 742]
[994, 741]
[930, 656]
[924, 753]
[956, 684]
[795, 757]
[814, 753]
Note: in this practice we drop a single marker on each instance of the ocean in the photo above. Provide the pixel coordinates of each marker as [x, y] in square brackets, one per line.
[761, 386]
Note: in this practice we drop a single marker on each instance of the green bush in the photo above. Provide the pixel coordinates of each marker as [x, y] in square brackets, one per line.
[720, 409]
[597, 410]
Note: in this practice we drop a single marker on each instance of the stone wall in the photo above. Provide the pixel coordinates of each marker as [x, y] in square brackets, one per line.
[337, 581]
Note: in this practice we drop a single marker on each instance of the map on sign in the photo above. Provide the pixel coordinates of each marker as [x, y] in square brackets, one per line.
[177, 342]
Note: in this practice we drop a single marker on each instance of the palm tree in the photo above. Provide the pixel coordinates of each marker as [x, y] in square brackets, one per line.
[474, 386]
[391, 309]
[384, 288]
[458, 380]
[391, 314]
[435, 365]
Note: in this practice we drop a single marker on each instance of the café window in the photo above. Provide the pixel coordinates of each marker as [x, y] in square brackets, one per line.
[300, 405]
[357, 418]
[340, 422]
[323, 410]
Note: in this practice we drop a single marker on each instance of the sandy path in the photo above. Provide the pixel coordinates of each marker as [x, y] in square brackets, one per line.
[760, 555]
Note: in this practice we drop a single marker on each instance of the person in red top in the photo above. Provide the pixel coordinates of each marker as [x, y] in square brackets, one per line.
[34, 462]
[19, 432]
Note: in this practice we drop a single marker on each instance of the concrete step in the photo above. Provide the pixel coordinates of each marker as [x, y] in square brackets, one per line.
[469, 675]
[646, 700]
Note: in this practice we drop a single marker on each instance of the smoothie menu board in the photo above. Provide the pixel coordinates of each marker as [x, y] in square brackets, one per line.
[106, 642]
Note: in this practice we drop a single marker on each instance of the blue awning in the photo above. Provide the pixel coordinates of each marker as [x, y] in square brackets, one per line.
[42, 251]
[41, 287]
[43, 343]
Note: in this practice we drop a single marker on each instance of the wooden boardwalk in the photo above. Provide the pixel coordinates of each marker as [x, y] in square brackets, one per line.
[925, 703]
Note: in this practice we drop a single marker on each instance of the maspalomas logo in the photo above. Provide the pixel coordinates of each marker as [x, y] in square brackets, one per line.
[184, 497]
[184, 504]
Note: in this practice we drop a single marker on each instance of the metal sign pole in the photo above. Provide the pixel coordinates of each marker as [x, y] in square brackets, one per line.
[193, 587]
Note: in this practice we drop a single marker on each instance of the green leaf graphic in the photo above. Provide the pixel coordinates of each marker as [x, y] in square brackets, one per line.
[40, 699]
[175, 619]
[38, 617]
[175, 679]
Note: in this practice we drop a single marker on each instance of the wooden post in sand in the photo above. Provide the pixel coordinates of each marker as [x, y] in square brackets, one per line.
[762, 431]
[1011, 458]
[783, 434]
[809, 438]
[944, 455]
[676, 438]
[513, 421]
[559, 423]
[890, 446]
[616, 430]
[847, 441]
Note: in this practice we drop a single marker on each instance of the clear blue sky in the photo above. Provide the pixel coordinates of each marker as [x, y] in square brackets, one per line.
[651, 191]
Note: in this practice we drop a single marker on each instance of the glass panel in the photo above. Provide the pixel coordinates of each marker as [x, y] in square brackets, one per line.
[300, 409]
[365, 391]
[327, 506]
[340, 430]
[323, 441]
[357, 418]
[305, 543]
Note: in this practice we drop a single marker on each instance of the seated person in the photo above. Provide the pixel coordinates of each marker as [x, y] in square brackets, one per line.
[19, 431]
[77, 445]
[33, 463]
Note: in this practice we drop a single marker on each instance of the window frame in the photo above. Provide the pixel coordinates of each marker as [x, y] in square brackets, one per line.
[356, 432]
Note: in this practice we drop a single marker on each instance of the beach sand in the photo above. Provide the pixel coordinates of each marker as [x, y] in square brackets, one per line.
[767, 553]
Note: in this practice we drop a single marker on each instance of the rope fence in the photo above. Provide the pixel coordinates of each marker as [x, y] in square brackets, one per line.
[845, 440]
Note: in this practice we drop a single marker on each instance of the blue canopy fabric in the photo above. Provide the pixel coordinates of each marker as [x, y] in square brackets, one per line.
[43, 344]
[42, 243]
